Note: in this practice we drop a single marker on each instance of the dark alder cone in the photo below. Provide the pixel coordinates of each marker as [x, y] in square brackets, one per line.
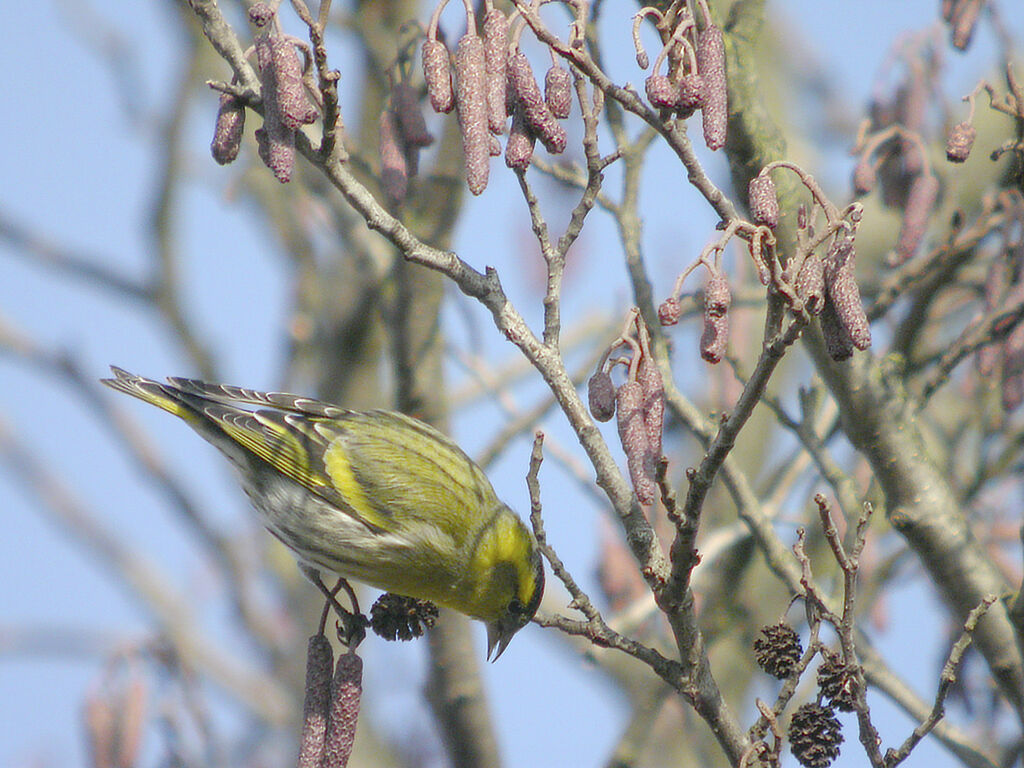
[670, 311]
[924, 191]
[405, 101]
[396, 617]
[764, 203]
[838, 343]
[713, 337]
[711, 66]
[633, 435]
[317, 702]
[864, 177]
[227, 133]
[810, 283]
[558, 91]
[842, 289]
[660, 91]
[961, 139]
[648, 376]
[394, 171]
[837, 682]
[346, 692]
[519, 147]
[1012, 383]
[601, 396]
[438, 75]
[778, 650]
[471, 98]
[535, 109]
[814, 736]
[495, 61]
[689, 94]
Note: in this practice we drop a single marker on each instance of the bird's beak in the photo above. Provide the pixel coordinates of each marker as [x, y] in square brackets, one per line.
[497, 641]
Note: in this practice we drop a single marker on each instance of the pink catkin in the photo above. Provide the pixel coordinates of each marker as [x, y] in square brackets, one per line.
[293, 104]
[810, 283]
[689, 94]
[864, 177]
[535, 109]
[343, 715]
[405, 101]
[394, 169]
[519, 147]
[838, 343]
[648, 376]
[227, 133]
[495, 62]
[763, 201]
[438, 76]
[275, 141]
[711, 66]
[471, 99]
[660, 91]
[713, 337]
[669, 311]
[316, 705]
[558, 91]
[961, 140]
[924, 191]
[633, 436]
[841, 287]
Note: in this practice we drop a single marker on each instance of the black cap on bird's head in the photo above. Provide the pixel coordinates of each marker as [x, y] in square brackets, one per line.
[518, 612]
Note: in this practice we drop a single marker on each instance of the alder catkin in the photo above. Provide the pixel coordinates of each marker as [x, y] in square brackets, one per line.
[924, 191]
[471, 99]
[346, 692]
[293, 104]
[558, 91]
[841, 287]
[660, 91]
[438, 76]
[648, 376]
[315, 706]
[275, 141]
[394, 169]
[713, 337]
[763, 201]
[1012, 378]
[495, 60]
[711, 66]
[519, 147]
[535, 109]
[810, 283]
[864, 177]
[717, 296]
[669, 311]
[838, 343]
[228, 130]
[689, 94]
[633, 436]
[405, 101]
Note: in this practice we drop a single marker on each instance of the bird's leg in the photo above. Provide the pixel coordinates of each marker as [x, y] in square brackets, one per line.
[352, 629]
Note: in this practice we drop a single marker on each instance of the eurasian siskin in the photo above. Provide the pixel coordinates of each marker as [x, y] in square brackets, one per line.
[375, 496]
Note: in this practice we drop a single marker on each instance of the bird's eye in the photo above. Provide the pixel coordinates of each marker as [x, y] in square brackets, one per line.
[516, 607]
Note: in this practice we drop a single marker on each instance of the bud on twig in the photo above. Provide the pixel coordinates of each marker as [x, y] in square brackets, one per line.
[690, 94]
[864, 177]
[315, 707]
[535, 109]
[558, 91]
[764, 204]
[711, 66]
[960, 141]
[227, 133]
[495, 61]
[601, 396]
[669, 311]
[633, 435]
[471, 98]
[346, 691]
[437, 73]
[660, 91]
